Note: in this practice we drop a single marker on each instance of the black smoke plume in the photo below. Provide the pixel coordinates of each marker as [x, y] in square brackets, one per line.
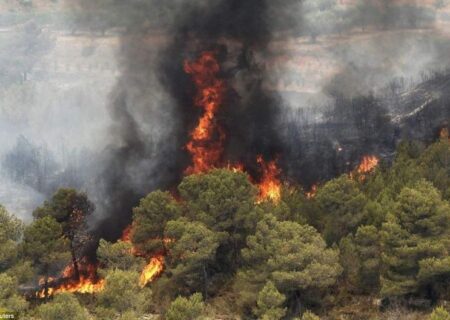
[150, 129]
[152, 105]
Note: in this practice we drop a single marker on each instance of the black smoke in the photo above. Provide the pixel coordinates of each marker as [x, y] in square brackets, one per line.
[152, 107]
[150, 130]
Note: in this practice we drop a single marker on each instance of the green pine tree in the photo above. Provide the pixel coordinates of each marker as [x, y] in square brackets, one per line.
[150, 218]
[416, 242]
[269, 303]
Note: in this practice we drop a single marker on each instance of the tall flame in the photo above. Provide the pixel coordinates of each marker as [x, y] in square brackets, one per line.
[152, 270]
[206, 143]
[270, 185]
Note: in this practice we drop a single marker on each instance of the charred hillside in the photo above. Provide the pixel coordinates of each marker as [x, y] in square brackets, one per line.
[424, 109]
[353, 127]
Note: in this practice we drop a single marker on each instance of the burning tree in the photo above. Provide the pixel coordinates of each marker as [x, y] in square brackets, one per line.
[46, 246]
[71, 209]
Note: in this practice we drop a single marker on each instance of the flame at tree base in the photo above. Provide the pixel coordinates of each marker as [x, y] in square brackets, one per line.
[84, 285]
[88, 281]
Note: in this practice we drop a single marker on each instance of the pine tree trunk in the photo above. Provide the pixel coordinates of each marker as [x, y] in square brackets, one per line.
[297, 304]
[46, 287]
[74, 261]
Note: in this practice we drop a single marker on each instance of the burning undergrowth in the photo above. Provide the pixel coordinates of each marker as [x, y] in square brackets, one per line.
[87, 281]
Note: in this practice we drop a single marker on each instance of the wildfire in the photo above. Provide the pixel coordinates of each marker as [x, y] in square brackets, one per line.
[152, 270]
[270, 185]
[87, 283]
[206, 143]
[84, 285]
[368, 164]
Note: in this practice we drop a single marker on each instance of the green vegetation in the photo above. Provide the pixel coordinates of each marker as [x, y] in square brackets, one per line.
[64, 307]
[122, 295]
[440, 314]
[268, 305]
[9, 297]
[150, 217]
[10, 232]
[46, 247]
[186, 308]
[415, 241]
[363, 248]
[118, 256]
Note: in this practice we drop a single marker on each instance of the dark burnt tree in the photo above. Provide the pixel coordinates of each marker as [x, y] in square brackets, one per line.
[71, 209]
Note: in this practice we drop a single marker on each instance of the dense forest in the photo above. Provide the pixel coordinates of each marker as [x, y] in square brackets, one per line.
[365, 245]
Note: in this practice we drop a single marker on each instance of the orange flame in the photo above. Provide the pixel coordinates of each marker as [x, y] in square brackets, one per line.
[206, 143]
[153, 269]
[87, 283]
[368, 164]
[84, 285]
[270, 185]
